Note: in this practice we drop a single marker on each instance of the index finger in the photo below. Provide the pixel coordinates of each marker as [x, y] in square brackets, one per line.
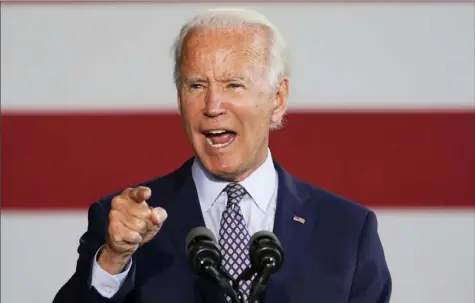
[139, 194]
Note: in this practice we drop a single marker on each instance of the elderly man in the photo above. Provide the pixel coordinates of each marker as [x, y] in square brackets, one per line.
[232, 80]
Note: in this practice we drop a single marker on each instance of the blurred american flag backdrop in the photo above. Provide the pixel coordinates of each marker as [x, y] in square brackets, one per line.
[381, 111]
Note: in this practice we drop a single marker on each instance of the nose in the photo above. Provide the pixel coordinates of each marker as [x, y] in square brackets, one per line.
[213, 103]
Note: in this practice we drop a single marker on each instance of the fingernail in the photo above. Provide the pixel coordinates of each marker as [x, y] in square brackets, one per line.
[161, 215]
[157, 214]
[147, 193]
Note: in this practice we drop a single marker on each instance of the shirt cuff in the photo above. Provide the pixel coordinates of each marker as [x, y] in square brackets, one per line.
[106, 284]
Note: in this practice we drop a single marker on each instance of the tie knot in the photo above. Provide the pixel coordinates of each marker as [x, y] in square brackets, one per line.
[235, 192]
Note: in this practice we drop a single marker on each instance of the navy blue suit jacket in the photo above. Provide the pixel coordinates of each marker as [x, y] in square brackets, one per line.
[335, 256]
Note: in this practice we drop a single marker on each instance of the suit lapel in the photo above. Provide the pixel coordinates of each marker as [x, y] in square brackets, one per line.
[184, 213]
[292, 226]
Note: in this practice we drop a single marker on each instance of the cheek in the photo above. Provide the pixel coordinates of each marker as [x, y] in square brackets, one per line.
[257, 123]
[190, 111]
[262, 112]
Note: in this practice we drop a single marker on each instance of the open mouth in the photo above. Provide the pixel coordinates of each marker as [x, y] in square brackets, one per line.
[220, 138]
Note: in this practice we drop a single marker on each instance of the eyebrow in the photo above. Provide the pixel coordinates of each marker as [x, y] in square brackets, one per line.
[238, 77]
[194, 79]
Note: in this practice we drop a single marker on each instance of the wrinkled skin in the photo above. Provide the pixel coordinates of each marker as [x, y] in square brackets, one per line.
[224, 84]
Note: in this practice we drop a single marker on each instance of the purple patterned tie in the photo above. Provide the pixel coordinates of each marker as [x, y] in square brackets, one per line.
[234, 237]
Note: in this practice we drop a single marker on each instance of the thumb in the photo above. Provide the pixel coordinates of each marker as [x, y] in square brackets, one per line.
[159, 215]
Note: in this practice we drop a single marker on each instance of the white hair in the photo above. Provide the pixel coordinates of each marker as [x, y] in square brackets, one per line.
[278, 57]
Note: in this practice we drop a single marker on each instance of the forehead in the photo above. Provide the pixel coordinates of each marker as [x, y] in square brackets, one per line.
[225, 36]
[224, 48]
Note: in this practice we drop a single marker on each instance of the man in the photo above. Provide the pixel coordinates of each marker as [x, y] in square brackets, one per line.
[232, 79]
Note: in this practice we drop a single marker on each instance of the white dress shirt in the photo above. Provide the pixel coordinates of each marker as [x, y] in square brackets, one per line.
[258, 207]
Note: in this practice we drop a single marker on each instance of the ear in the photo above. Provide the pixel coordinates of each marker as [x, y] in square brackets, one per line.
[280, 100]
[179, 102]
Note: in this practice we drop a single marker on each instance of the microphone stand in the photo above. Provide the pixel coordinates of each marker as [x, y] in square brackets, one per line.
[217, 275]
[244, 276]
[259, 283]
[239, 297]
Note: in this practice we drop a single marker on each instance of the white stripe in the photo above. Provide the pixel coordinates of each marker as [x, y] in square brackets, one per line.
[106, 56]
[430, 254]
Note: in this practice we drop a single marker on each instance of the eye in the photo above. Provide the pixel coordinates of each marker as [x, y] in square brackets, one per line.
[195, 86]
[235, 85]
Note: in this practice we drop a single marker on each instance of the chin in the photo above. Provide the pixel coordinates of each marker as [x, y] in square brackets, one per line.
[220, 166]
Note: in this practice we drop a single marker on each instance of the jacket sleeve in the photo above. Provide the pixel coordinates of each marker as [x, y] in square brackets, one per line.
[372, 281]
[78, 288]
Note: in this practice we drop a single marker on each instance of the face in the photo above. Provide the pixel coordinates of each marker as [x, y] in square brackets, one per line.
[226, 103]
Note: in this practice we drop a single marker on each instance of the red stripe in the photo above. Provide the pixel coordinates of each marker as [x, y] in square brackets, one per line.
[379, 159]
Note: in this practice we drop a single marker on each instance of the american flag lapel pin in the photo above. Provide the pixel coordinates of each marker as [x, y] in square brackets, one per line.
[299, 219]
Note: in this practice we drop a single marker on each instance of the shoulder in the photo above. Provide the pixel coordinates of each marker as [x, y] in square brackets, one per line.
[162, 187]
[334, 204]
[338, 217]
[328, 207]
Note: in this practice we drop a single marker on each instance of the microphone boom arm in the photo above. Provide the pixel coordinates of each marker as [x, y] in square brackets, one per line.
[216, 275]
[267, 257]
[260, 281]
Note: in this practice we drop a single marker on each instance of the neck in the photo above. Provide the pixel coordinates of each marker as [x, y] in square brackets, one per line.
[260, 159]
[240, 175]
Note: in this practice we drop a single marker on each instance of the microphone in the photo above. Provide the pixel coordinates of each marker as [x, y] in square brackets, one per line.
[266, 256]
[204, 258]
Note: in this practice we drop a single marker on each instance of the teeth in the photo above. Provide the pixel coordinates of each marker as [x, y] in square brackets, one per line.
[217, 132]
[219, 145]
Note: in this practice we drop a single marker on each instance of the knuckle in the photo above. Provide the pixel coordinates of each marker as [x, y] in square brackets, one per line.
[113, 213]
[133, 191]
[114, 227]
[140, 224]
[116, 237]
[127, 190]
[134, 237]
[139, 210]
[116, 202]
[145, 211]
[114, 217]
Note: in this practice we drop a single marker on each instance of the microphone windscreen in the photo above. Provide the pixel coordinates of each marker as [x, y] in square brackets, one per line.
[199, 232]
[263, 234]
[265, 244]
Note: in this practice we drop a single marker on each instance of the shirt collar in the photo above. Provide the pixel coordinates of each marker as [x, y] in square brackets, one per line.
[260, 185]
